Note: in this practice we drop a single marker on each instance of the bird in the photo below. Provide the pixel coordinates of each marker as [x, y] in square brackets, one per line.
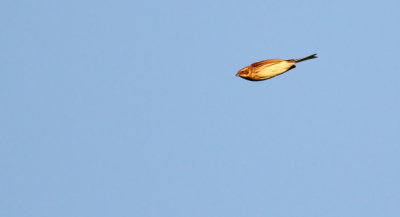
[267, 69]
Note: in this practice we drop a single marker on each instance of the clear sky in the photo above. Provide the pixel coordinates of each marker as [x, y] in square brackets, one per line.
[132, 108]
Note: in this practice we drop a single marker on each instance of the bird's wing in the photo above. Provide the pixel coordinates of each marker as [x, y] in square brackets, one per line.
[265, 63]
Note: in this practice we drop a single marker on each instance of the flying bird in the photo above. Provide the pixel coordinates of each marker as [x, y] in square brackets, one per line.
[267, 69]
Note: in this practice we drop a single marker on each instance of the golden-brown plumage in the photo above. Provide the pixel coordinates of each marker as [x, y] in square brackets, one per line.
[269, 68]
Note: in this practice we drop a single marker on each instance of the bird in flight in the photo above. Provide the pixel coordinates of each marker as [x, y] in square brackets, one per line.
[267, 69]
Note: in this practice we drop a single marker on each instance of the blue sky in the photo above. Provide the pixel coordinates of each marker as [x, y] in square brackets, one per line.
[131, 108]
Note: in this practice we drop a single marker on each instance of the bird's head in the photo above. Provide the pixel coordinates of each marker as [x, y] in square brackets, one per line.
[244, 73]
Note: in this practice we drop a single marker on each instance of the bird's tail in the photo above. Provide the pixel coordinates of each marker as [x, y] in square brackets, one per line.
[306, 58]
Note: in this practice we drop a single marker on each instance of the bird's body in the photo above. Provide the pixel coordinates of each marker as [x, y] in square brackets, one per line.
[269, 68]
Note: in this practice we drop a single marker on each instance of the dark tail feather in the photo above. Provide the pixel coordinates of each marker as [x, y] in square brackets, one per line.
[306, 58]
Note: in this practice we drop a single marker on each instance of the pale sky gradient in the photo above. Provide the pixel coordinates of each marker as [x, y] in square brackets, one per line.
[132, 109]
